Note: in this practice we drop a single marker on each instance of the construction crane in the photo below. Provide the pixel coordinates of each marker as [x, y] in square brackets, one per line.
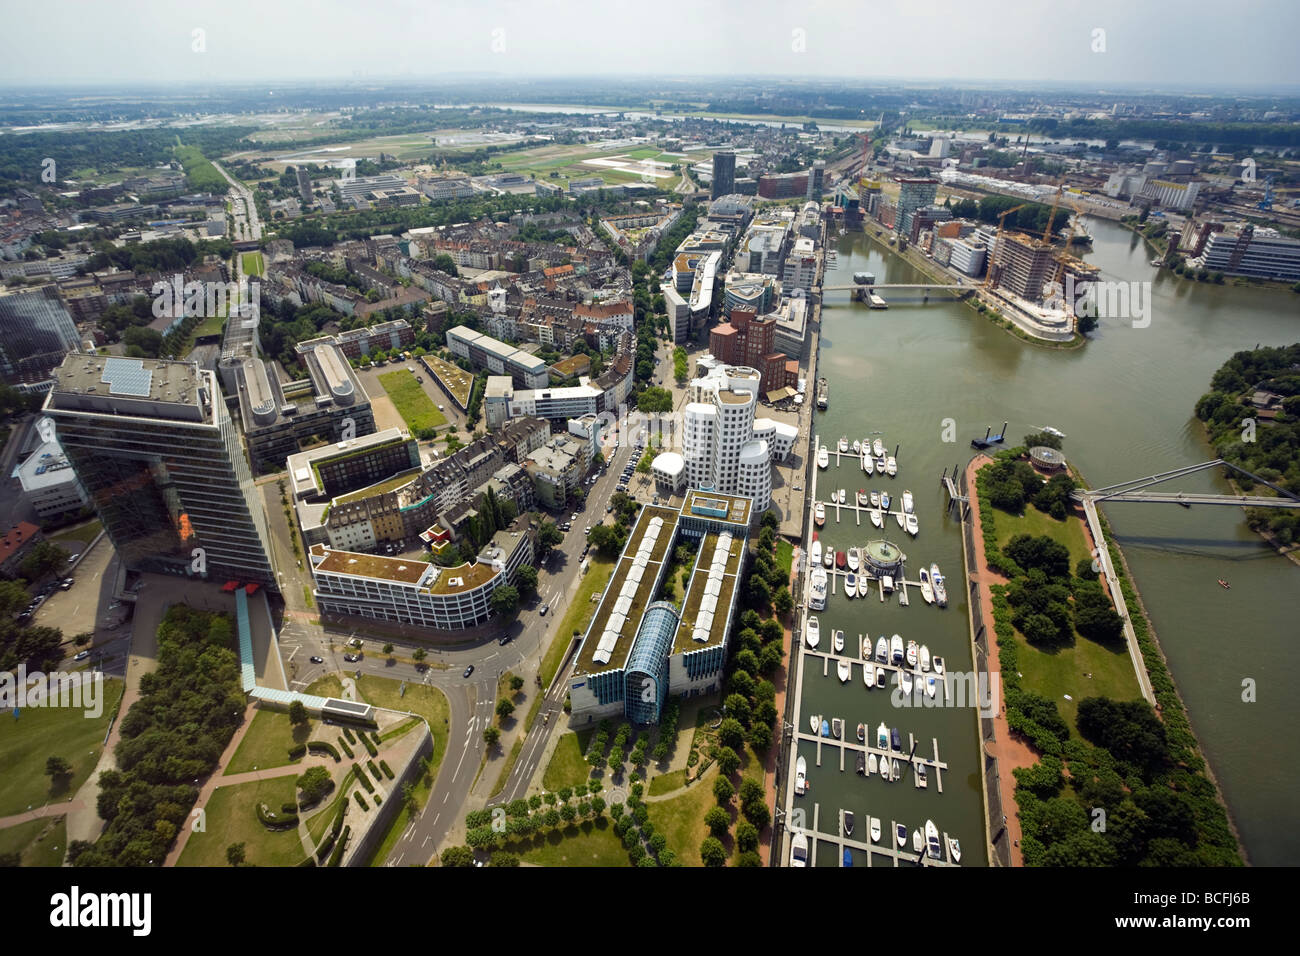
[1056, 202]
[1267, 202]
[988, 280]
[1059, 276]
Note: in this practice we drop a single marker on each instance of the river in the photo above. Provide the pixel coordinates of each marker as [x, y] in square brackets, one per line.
[1125, 401]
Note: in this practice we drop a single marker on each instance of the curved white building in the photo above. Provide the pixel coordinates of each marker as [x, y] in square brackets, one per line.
[669, 470]
[724, 448]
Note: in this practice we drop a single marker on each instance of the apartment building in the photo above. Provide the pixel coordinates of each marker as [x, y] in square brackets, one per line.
[527, 371]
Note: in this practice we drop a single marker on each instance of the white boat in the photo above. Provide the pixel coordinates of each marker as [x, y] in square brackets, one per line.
[907, 502]
[875, 499]
[854, 560]
[823, 457]
[900, 832]
[954, 849]
[857, 447]
[868, 464]
[875, 829]
[828, 558]
[864, 647]
[932, 840]
[882, 650]
[843, 497]
[882, 737]
[801, 776]
[862, 585]
[799, 850]
[876, 518]
[1048, 430]
[884, 500]
[843, 445]
[900, 517]
[925, 658]
[887, 584]
[873, 765]
[845, 670]
[868, 675]
[819, 514]
[940, 590]
[918, 842]
[816, 721]
[938, 664]
[891, 466]
[816, 556]
[817, 590]
[895, 769]
[812, 632]
[896, 649]
[838, 641]
[863, 499]
[881, 464]
[912, 653]
[850, 585]
[913, 526]
[927, 592]
[905, 682]
[880, 677]
[878, 447]
[837, 728]
[930, 686]
[922, 780]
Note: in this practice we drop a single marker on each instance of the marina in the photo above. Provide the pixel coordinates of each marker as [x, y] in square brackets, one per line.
[886, 848]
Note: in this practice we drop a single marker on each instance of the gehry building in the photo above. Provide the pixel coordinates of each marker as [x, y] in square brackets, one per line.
[725, 448]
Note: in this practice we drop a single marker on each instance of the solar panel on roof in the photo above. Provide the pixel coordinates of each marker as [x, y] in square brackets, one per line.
[127, 377]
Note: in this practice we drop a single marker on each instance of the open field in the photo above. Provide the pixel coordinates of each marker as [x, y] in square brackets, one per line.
[40, 842]
[1069, 532]
[590, 843]
[252, 263]
[231, 817]
[411, 402]
[266, 743]
[38, 733]
[567, 768]
[85, 533]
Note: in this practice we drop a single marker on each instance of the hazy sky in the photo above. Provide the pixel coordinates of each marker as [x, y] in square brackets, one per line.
[1201, 43]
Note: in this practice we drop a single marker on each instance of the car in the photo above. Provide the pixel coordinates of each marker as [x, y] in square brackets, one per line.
[317, 660]
[82, 656]
[352, 658]
[575, 516]
[505, 639]
[73, 557]
[66, 585]
[544, 609]
[609, 509]
[469, 670]
[355, 642]
[588, 531]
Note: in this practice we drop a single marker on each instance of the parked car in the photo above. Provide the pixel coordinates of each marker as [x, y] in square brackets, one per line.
[66, 584]
[317, 660]
[81, 656]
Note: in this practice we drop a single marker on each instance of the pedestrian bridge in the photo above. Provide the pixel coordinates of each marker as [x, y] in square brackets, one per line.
[1134, 490]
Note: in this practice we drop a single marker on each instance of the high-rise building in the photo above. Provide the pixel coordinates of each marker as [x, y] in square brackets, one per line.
[1023, 263]
[724, 174]
[161, 461]
[912, 195]
[748, 341]
[36, 331]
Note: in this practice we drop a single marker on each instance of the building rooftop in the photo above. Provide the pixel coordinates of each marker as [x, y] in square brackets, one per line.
[149, 388]
[718, 507]
[705, 612]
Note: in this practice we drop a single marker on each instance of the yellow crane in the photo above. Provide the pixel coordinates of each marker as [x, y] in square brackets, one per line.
[988, 279]
[1056, 202]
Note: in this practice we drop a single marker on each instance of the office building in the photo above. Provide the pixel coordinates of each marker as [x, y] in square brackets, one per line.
[1170, 195]
[161, 462]
[912, 195]
[49, 482]
[748, 340]
[800, 269]
[724, 175]
[637, 652]
[967, 256]
[36, 331]
[345, 466]
[360, 187]
[526, 370]
[1249, 250]
[750, 290]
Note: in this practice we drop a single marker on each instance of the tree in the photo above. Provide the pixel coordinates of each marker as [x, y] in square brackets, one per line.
[723, 790]
[297, 713]
[505, 708]
[314, 783]
[457, 856]
[516, 682]
[419, 655]
[718, 821]
[731, 733]
[712, 853]
[1042, 552]
[57, 768]
[505, 600]
[737, 706]
[491, 735]
[783, 602]
[760, 736]
[388, 649]
[526, 580]
[746, 836]
[548, 536]
[728, 761]
[235, 854]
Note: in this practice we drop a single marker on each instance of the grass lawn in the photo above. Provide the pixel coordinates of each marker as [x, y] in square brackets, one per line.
[322, 815]
[423, 787]
[429, 702]
[232, 818]
[40, 842]
[681, 819]
[568, 767]
[252, 263]
[1069, 532]
[39, 733]
[212, 325]
[410, 400]
[667, 782]
[85, 533]
[784, 556]
[327, 686]
[591, 843]
[504, 776]
[267, 742]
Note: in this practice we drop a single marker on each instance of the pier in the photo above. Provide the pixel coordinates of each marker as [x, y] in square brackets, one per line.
[888, 845]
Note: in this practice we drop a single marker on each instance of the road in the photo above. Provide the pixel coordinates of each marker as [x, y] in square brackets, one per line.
[243, 210]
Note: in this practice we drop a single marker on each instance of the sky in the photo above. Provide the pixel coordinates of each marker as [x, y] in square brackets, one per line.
[1201, 44]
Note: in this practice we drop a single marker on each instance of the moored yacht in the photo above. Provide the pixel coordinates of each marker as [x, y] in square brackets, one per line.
[799, 850]
[884, 500]
[938, 664]
[880, 676]
[816, 556]
[876, 518]
[924, 657]
[868, 463]
[907, 502]
[854, 559]
[901, 832]
[954, 849]
[862, 585]
[905, 682]
[918, 842]
[875, 499]
[843, 445]
[841, 560]
[882, 736]
[862, 732]
[868, 676]
[845, 670]
[877, 447]
[823, 457]
[875, 831]
[921, 779]
[932, 840]
[912, 653]
[863, 499]
[872, 764]
[891, 466]
[850, 585]
[896, 649]
[882, 650]
[837, 728]
[940, 590]
[817, 590]
[931, 686]
[828, 558]
[839, 641]
[913, 525]
[801, 776]
[857, 447]
[848, 823]
[901, 518]
[887, 583]
[819, 514]
[927, 592]
[812, 632]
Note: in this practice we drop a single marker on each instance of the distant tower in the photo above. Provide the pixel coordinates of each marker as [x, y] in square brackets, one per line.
[724, 174]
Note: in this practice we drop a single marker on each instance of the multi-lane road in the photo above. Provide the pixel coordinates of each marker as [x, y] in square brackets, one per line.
[243, 210]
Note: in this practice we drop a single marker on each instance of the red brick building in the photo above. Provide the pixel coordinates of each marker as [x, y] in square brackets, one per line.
[749, 340]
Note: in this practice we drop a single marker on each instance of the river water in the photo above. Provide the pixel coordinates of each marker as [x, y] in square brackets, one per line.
[1126, 402]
